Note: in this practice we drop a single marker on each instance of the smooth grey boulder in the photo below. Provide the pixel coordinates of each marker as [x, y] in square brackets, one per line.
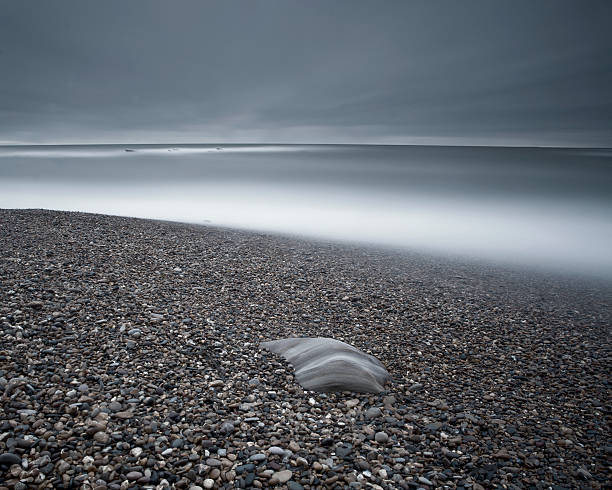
[323, 364]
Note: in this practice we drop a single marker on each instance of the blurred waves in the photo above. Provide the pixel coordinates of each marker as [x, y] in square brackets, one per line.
[544, 207]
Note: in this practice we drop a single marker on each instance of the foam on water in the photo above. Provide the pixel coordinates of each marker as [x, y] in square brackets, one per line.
[110, 151]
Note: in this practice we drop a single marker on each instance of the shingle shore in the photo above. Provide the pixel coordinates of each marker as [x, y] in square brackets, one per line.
[129, 357]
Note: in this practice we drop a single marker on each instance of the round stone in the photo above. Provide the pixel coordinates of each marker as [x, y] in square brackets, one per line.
[381, 437]
[373, 412]
[281, 476]
[9, 459]
[101, 437]
[133, 475]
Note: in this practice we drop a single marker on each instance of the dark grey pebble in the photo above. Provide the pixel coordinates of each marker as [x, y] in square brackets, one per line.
[9, 458]
[134, 475]
[344, 450]
[373, 412]
[245, 468]
[249, 479]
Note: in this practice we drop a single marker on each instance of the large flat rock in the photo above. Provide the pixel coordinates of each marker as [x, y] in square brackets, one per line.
[323, 364]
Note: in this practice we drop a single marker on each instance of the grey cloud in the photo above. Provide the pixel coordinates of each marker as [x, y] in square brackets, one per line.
[77, 71]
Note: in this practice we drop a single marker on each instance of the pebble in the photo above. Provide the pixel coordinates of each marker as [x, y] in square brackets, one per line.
[352, 403]
[9, 459]
[381, 437]
[281, 477]
[133, 475]
[213, 462]
[101, 437]
[425, 481]
[373, 412]
[344, 450]
[115, 406]
[278, 451]
[178, 443]
[489, 383]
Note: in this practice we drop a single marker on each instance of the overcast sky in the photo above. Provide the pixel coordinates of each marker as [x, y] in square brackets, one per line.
[458, 72]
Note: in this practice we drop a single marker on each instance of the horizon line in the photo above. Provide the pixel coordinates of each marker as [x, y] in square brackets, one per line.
[518, 146]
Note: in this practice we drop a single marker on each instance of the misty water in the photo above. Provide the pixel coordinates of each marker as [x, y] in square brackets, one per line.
[541, 207]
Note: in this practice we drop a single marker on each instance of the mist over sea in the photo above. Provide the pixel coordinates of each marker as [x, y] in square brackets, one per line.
[543, 207]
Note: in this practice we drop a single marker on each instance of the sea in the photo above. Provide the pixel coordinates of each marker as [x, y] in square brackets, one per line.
[548, 208]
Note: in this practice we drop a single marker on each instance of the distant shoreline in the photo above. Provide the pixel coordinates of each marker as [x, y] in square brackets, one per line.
[163, 145]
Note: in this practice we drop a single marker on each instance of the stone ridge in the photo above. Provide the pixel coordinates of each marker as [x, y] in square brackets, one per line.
[326, 365]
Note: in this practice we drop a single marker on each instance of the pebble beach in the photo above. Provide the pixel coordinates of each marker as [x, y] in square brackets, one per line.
[130, 358]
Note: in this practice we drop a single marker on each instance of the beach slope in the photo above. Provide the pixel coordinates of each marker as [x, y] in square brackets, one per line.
[130, 351]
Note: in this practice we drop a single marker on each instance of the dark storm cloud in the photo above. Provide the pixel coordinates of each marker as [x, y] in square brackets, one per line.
[500, 72]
